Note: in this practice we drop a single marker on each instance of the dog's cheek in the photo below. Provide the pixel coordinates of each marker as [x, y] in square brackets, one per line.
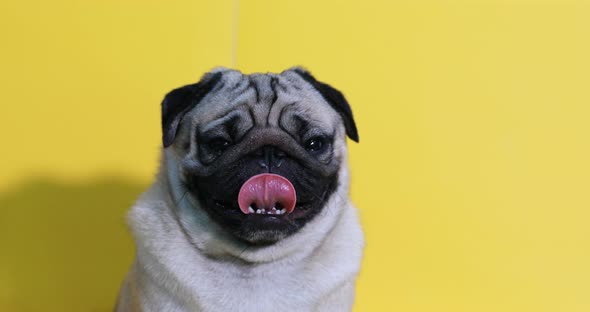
[182, 143]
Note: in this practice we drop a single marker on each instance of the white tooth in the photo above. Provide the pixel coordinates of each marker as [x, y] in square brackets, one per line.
[263, 211]
[250, 210]
[274, 209]
[258, 211]
[283, 210]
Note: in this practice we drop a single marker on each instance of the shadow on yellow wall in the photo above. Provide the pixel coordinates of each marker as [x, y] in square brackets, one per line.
[63, 245]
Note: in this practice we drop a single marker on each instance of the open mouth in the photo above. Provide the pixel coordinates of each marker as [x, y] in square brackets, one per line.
[267, 194]
[265, 209]
[266, 204]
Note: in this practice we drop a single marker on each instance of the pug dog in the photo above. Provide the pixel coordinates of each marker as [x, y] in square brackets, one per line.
[250, 210]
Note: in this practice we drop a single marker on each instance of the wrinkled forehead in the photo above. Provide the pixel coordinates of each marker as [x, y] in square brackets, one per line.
[264, 100]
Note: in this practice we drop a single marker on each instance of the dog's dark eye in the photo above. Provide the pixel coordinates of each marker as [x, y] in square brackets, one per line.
[218, 144]
[315, 144]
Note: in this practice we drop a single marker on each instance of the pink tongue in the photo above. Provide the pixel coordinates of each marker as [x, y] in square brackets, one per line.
[265, 191]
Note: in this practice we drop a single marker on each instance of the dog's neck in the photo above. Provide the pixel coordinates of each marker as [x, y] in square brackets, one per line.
[212, 240]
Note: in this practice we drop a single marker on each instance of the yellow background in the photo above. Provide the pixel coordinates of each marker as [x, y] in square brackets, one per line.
[472, 175]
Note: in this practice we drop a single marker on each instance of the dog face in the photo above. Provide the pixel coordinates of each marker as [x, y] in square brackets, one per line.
[260, 153]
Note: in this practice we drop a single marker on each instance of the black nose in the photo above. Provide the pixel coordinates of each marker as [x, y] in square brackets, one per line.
[270, 157]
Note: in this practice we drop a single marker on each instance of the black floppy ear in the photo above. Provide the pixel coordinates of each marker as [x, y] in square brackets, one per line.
[336, 99]
[181, 100]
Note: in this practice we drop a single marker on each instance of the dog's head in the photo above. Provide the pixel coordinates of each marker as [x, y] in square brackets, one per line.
[261, 153]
